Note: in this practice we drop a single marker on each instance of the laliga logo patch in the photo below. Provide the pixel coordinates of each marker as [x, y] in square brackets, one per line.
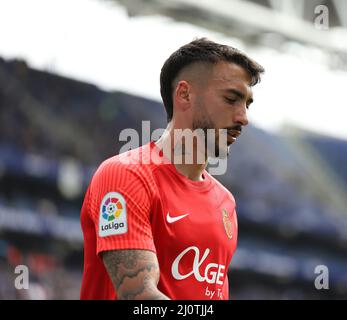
[113, 215]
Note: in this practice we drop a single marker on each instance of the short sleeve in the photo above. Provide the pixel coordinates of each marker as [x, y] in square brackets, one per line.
[120, 206]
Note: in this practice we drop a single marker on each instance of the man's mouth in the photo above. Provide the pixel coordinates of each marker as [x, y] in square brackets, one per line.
[232, 135]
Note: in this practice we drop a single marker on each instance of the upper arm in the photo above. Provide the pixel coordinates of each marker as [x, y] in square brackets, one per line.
[120, 209]
[134, 273]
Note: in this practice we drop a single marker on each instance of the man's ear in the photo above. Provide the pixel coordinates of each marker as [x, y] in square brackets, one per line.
[183, 94]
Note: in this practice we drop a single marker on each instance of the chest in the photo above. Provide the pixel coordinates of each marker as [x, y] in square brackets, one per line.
[203, 221]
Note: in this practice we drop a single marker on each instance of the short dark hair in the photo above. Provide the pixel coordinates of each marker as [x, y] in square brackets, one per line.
[202, 50]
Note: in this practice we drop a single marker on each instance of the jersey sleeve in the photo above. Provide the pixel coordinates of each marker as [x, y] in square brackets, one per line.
[120, 206]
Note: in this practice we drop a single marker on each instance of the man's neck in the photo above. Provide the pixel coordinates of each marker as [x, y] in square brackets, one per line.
[192, 171]
[187, 164]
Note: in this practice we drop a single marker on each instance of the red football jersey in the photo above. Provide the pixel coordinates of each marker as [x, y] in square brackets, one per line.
[136, 203]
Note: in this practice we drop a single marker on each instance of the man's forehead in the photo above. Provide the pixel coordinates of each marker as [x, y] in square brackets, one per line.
[226, 84]
[229, 75]
[231, 72]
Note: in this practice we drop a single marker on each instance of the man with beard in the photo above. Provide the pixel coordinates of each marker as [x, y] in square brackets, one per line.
[156, 224]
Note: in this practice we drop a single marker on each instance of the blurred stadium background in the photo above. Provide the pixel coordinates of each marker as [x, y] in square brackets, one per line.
[290, 184]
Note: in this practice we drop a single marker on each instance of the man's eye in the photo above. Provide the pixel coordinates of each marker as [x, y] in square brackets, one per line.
[230, 100]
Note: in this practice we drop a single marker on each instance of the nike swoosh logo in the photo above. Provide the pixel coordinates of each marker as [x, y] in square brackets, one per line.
[174, 219]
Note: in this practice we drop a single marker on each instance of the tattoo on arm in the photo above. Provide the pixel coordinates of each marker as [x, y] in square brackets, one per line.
[134, 274]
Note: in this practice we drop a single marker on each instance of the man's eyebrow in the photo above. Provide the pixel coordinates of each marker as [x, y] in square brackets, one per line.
[239, 94]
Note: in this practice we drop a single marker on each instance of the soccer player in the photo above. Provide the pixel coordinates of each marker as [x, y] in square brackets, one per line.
[158, 228]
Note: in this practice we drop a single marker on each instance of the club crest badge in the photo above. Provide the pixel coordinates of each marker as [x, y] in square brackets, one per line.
[227, 224]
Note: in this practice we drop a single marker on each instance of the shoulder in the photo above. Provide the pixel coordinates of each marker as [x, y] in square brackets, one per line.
[125, 167]
[132, 179]
[221, 188]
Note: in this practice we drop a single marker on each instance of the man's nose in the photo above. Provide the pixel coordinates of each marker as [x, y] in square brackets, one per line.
[240, 116]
